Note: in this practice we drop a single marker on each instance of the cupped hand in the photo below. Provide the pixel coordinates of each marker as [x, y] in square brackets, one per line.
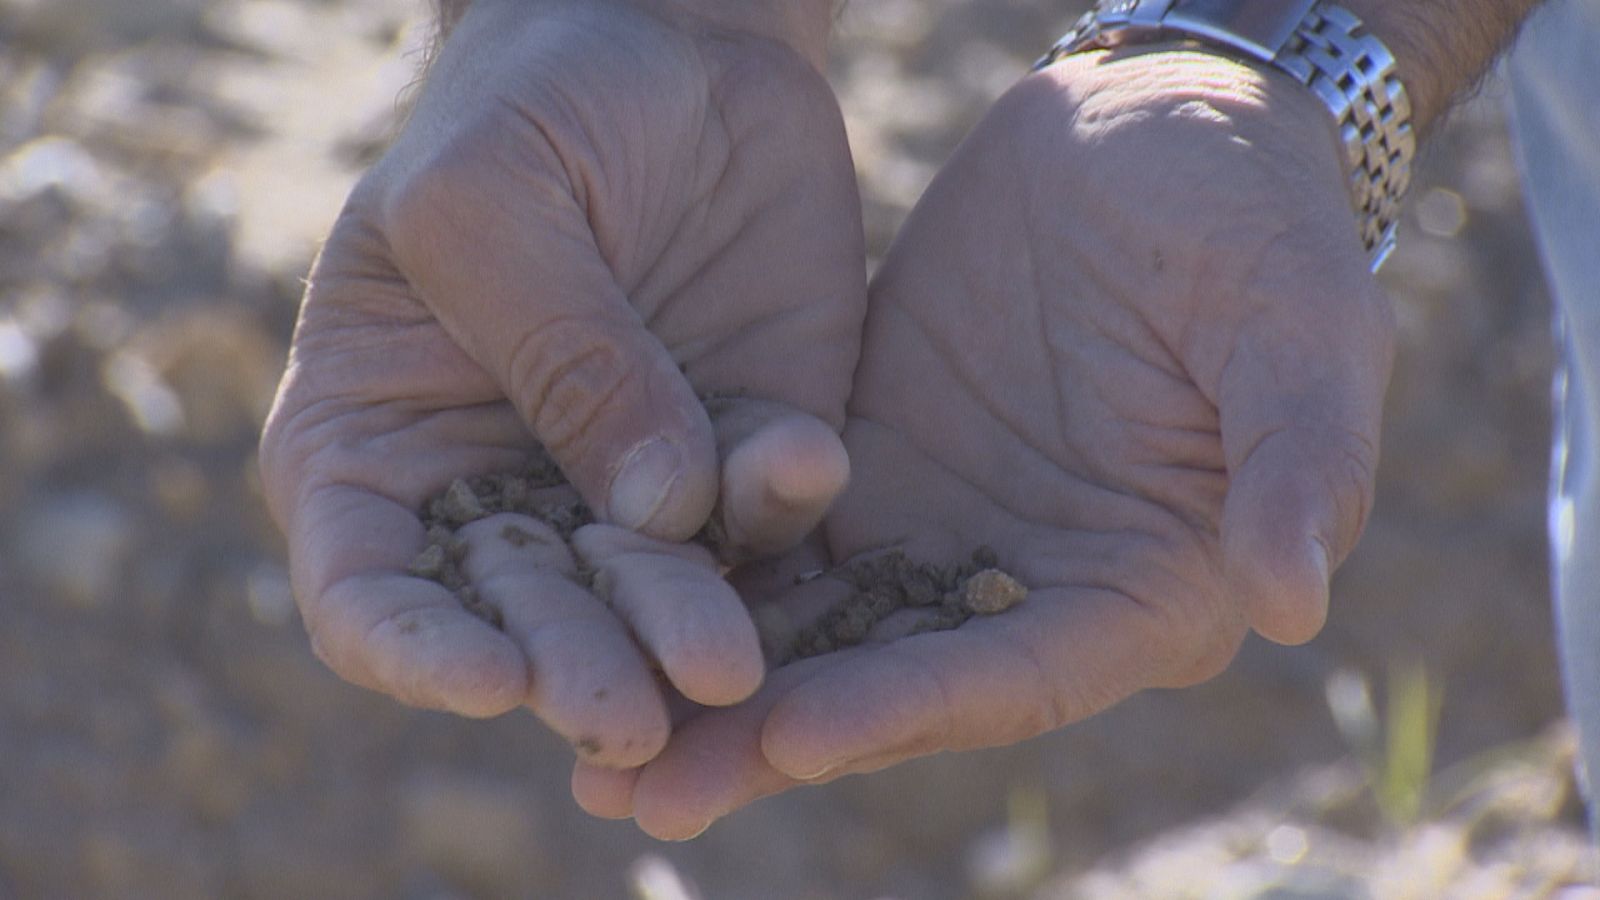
[1129, 340]
[597, 215]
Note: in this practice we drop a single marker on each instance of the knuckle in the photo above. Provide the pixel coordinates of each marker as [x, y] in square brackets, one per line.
[1350, 481]
[427, 200]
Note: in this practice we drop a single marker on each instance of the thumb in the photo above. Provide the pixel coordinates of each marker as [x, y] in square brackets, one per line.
[1301, 404]
[781, 470]
[516, 278]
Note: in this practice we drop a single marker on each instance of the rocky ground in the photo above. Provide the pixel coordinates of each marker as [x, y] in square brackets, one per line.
[166, 168]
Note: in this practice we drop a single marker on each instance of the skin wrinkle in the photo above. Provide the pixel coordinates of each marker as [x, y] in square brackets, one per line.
[354, 317]
[1079, 561]
[560, 421]
[1052, 691]
[988, 405]
[720, 170]
[580, 160]
[1214, 478]
[389, 351]
[1094, 265]
[655, 301]
[593, 614]
[958, 477]
[1175, 373]
[746, 327]
[1220, 251]
[764, 319]
[931, 675]
[375, 416]
[1041, 328]
[511, 440]
[1114, 582]
[662, 303]
[970, 382]
[1358, 472]
[334, 477]
[369, 243]
[338, 499]
[1213, 267]
[349, 468]
[577, 177]
[1049, 688]
[1105, 475]
[1168, 363]
[1200, 515]
[1070, 696]
[694, 114]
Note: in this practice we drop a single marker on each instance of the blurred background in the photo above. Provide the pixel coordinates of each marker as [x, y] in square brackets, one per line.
[166, 170]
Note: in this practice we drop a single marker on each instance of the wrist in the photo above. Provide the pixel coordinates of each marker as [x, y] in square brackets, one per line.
[1441, 49]
[1247, 131]
[1319, 44]
[803, 25]
[1181, 78]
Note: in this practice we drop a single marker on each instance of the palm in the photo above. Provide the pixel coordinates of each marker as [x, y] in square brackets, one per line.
[1154, 426]
[577, 171]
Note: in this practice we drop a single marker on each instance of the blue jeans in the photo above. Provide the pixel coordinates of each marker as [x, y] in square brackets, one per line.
[1555, 79]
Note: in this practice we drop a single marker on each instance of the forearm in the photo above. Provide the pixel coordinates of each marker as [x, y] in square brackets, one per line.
[1441, 47]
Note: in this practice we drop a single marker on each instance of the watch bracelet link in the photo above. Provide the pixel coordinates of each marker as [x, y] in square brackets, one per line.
[1330, 52]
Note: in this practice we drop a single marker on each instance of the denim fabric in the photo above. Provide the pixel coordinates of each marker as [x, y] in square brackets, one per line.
[1555, 79]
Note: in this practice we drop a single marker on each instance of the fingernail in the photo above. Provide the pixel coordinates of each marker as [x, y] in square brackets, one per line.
[1319, 560]
[699, 831]
[820, 773]
[642, 483]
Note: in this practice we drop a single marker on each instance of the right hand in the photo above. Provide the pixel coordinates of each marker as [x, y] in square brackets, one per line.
[1128, 339]
[597, 213]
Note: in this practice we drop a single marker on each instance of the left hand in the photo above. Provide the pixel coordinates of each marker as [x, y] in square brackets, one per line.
[597, 213]
[1129, 339]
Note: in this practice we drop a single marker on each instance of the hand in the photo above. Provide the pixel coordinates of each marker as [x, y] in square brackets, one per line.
[1129, 340]
[596, 214]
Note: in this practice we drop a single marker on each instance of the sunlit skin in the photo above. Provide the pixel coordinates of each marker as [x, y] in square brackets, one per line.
[597, 215]
[1129, 339]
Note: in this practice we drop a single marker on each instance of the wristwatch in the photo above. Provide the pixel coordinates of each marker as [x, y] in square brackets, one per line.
[1320, 45]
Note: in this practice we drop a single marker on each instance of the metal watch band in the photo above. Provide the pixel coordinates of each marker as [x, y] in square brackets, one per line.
[1324, 47]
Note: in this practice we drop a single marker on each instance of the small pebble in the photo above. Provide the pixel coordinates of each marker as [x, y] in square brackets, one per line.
[429, 563]
[852, 625]
[992, 591]
[460, 505]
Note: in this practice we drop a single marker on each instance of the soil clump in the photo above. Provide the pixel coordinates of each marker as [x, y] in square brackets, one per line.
[885, 584]
[881, 585]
